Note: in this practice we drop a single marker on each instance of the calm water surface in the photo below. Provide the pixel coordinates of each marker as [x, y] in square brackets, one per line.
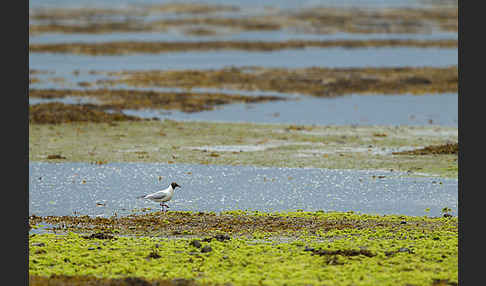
[265, 36]
[301, 58]
[69, 188]
[438, 109]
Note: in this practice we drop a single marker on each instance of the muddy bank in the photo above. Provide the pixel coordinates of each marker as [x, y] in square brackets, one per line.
[451, 148]
[236, 223]
[311, 81]
[69, 280]
[278, 145]
[111, 99]
[57, 113]
[118, 48]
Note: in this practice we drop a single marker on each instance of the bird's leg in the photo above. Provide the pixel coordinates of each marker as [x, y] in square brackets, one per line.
[164, 205]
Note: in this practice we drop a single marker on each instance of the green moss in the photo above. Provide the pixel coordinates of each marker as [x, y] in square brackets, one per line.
[416, 253]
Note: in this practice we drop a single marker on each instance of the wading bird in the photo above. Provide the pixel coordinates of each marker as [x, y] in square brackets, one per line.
[162, 196]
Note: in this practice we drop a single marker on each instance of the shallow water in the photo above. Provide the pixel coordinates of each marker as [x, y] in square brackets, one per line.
[301, 58]
[265, 36]
[76, 188]
[439, 109]
[65, 100]
[72, 82]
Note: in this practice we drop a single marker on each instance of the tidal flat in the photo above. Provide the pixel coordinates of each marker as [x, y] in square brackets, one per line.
[244, 248]
[282, 203]
[138, 99]
[318, 20]
[273, 145]
[316, 81]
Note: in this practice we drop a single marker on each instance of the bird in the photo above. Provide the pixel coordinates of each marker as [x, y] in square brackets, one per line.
[162, 196]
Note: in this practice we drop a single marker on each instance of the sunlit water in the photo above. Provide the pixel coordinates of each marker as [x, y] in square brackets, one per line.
[261, 36]
[436, 109]
[439, 109]
[300, 58]
[81, 188]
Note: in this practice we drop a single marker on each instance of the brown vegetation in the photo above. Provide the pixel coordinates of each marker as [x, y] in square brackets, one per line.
[450, 148]
[56, 113]
[313, 20]
[61, 280]
[117, 48]
[310, 81]
[118, 99]
[204, 223]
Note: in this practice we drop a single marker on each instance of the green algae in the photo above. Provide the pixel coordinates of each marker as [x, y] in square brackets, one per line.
[394, 250]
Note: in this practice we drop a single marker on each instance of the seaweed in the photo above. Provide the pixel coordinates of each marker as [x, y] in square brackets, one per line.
[121, 48]
[449, 148]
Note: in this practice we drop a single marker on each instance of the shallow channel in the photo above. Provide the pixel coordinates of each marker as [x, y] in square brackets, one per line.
[263, 36]
[297, 58]
[436, 109]
[103, 190]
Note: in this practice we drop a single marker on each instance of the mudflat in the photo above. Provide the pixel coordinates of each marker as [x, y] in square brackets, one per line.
[338, 147]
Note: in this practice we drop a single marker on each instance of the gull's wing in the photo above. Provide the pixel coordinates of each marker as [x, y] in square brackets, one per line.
[157, 196]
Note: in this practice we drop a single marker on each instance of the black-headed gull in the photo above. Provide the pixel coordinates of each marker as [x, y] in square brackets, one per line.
[163, 195]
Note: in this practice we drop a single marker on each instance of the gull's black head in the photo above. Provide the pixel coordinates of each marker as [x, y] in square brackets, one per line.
[174, 185]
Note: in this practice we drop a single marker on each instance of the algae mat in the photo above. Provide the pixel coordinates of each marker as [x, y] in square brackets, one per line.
[332, 249]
